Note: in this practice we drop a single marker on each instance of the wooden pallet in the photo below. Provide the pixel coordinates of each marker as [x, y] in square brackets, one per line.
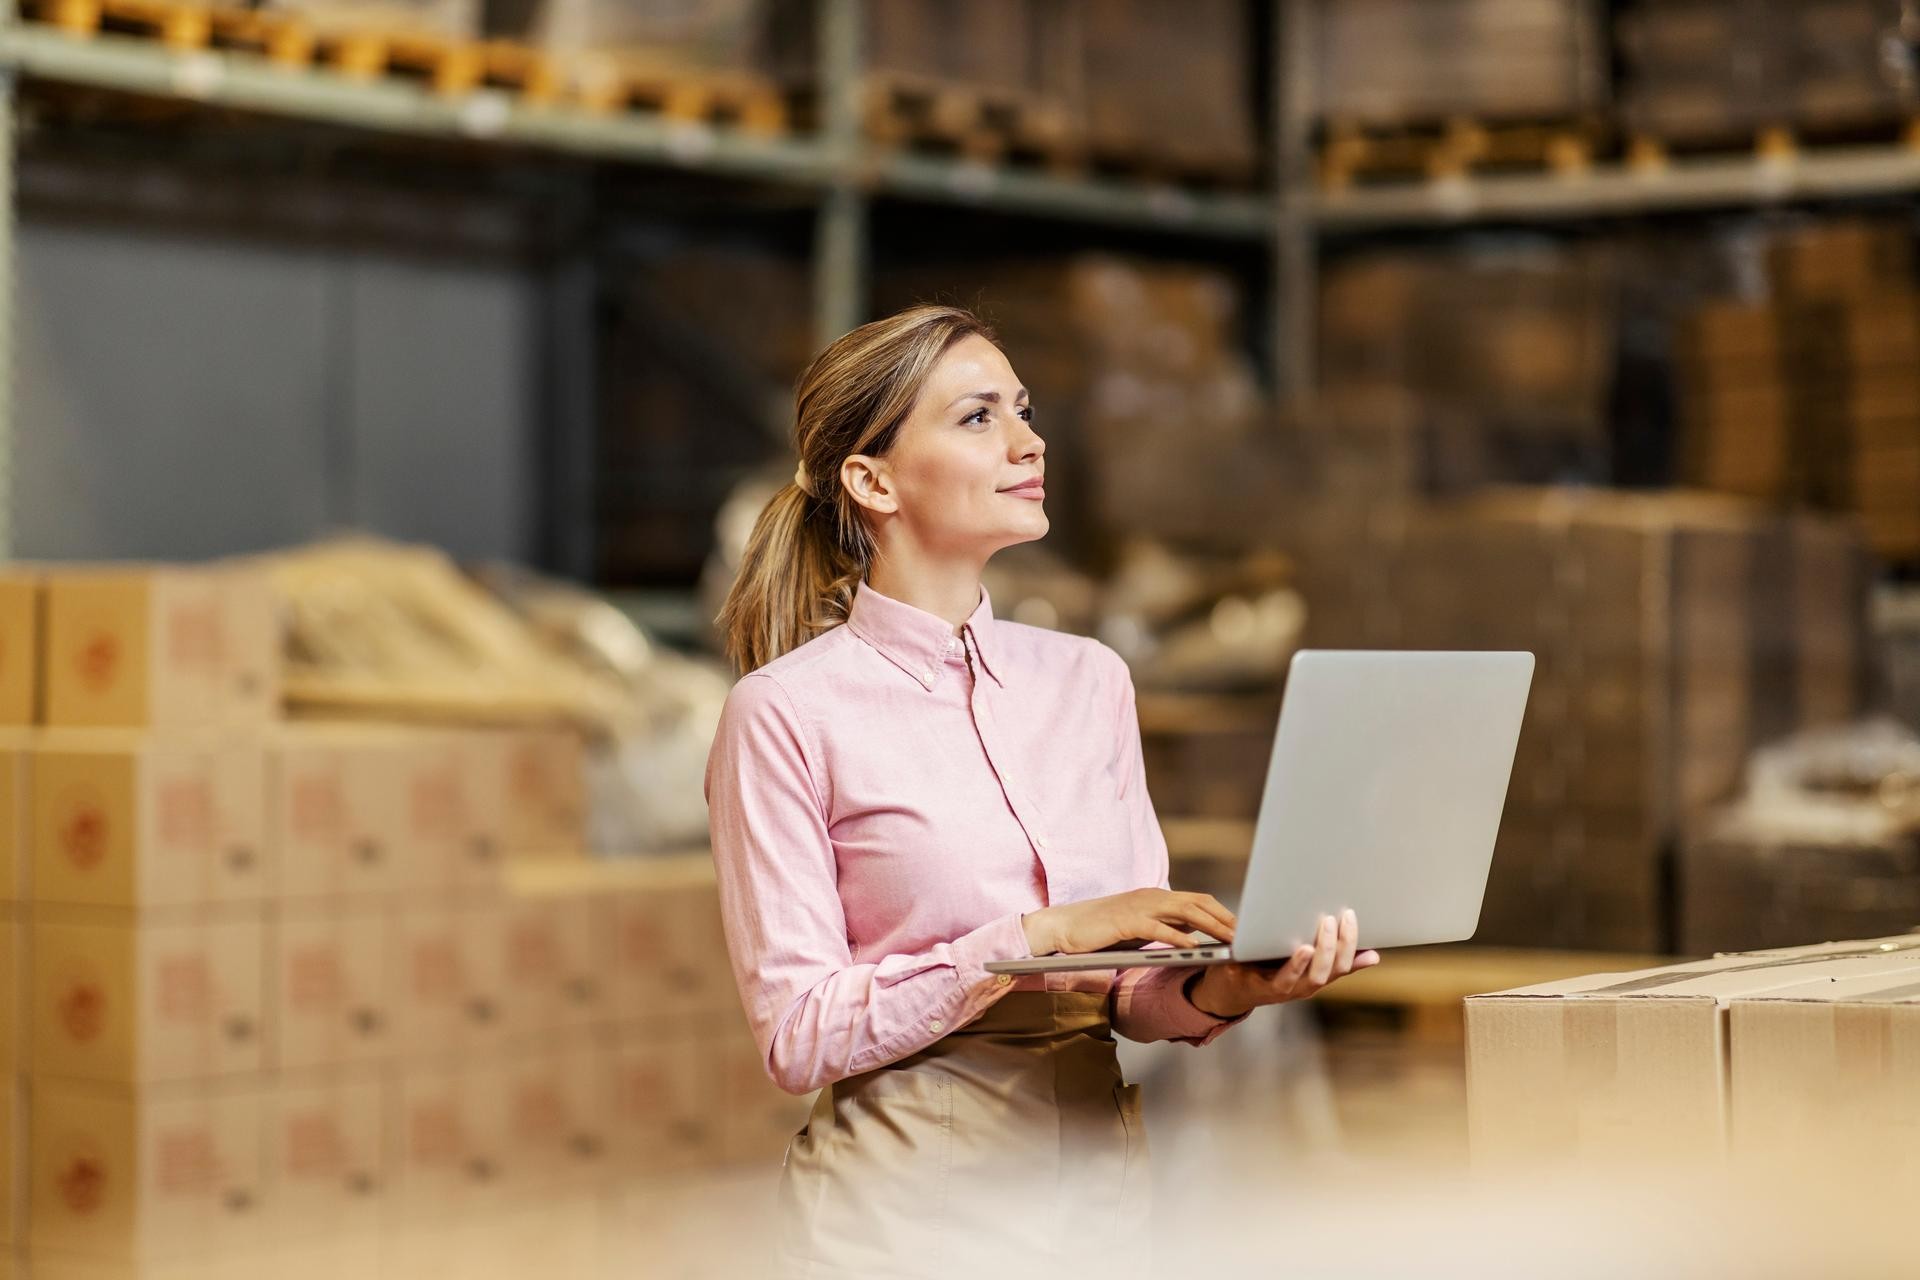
[978, 124]
[449, 66]
[183, 27]
[1649, 152]
[609, 83]
[1351, 153]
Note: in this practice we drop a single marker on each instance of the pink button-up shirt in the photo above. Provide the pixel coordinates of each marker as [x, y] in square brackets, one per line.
[885, 802]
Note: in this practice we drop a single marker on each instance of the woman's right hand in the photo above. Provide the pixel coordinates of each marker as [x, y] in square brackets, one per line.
[1158, 915]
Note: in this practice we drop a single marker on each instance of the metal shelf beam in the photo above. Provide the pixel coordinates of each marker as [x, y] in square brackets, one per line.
[252, 83]
[1742, 182]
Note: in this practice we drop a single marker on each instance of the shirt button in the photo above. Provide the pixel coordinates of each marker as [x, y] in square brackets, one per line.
[936, 1025]
[1042, 842]
[927, 674]
[1004, 979]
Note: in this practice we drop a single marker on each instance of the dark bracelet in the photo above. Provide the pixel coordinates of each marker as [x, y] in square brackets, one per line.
[1186, 989]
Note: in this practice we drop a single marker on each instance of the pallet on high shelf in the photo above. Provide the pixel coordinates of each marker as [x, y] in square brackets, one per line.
[1648, 149]
[980, 124]
[611, 82]
[1351, 151]
[449, 65]
[181, 27]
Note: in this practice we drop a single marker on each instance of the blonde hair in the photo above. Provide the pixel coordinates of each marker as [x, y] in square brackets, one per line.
[810, 548]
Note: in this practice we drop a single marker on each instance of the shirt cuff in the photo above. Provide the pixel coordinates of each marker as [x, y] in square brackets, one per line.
[1154, 1006]
[1002, 939]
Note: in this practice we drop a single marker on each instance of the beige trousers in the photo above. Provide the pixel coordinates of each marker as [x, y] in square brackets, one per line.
[1011, 1144]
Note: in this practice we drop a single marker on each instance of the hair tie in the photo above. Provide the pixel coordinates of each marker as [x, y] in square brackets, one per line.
[800, 478]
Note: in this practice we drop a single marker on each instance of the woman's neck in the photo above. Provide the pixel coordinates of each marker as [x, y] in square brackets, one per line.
[952, 593]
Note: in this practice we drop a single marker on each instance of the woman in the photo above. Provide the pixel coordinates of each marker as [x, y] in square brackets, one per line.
[903, 788]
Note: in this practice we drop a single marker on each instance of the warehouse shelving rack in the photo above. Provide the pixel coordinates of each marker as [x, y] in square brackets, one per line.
[1291, 215]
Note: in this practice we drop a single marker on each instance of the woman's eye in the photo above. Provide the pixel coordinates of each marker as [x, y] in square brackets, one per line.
[978, 415]
[1026, 413]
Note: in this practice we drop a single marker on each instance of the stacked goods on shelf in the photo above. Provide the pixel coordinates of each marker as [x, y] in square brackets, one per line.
[1813, 397]
[984, 78]
[1169, 88]
[1154, 418]
[293, 985]
[1756, 1052]
[1712, 71]
[1473, 368]
[1825, 842]
[709, 34]
[1440, 72]
[449, 20]
[702, 350]
[1672, 634]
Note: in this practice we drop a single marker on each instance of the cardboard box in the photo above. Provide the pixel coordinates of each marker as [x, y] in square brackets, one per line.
[452, 1141]
[449, 990]
[159, 646]
[1624, 1066]
[336, 811]
[19, 645]
[125, 1176]
[116, 997]
[1739, 892]
[329, 991]
[551, 965]
[13, 1146]
[557, 1119]
[13, 974]
[542, 775]
[668, 955]
[130, 819]
[455, 822]
[16, 750]
[326, 1155]
[667, 1103]
[1825, 1078]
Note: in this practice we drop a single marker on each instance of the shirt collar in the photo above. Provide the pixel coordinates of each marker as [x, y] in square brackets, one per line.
[923, 644]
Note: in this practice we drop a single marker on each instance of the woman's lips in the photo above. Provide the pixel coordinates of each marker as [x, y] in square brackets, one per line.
[1035, 492]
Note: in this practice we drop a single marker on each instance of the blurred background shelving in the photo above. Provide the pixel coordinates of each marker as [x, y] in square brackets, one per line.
[1590, 327]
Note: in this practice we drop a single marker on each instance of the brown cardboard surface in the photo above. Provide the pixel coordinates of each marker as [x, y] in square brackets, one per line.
[1828, 1076]
[135, 819]
[1626, 1066]
[328, 991]
[16, 750]
[19, 645]
[336, 810]
[326, 1154]
[117, 998]
[119, 1175]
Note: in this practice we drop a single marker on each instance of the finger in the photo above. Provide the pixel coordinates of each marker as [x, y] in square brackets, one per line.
[1217, 908]
[1323, 953]
[1348, 943]
[1159, 932]
[1285, 980]
[1365, 960]
[1197, 916]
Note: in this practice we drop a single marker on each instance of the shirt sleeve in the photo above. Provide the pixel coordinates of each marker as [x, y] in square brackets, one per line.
[1149, 1004]
[817, 1016]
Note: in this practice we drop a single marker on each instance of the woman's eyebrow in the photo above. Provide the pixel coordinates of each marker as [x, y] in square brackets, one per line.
[991, 397]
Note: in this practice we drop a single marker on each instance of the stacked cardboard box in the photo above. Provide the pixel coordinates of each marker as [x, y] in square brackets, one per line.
[1714, 70]
[293, 985]
[1814, 397]
[1420, 61]
[713, 35]
[1672, 634]
[1493, 367]
[1741, 890]
[1684, 1064]
[1171, 86]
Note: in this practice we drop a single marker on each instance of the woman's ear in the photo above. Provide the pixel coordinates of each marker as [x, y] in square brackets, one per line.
[870, 483]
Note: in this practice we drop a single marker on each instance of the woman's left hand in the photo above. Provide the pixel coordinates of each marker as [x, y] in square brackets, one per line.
[1229, 990]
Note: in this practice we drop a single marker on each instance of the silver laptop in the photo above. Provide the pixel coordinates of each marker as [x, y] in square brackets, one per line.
[1384, 791]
